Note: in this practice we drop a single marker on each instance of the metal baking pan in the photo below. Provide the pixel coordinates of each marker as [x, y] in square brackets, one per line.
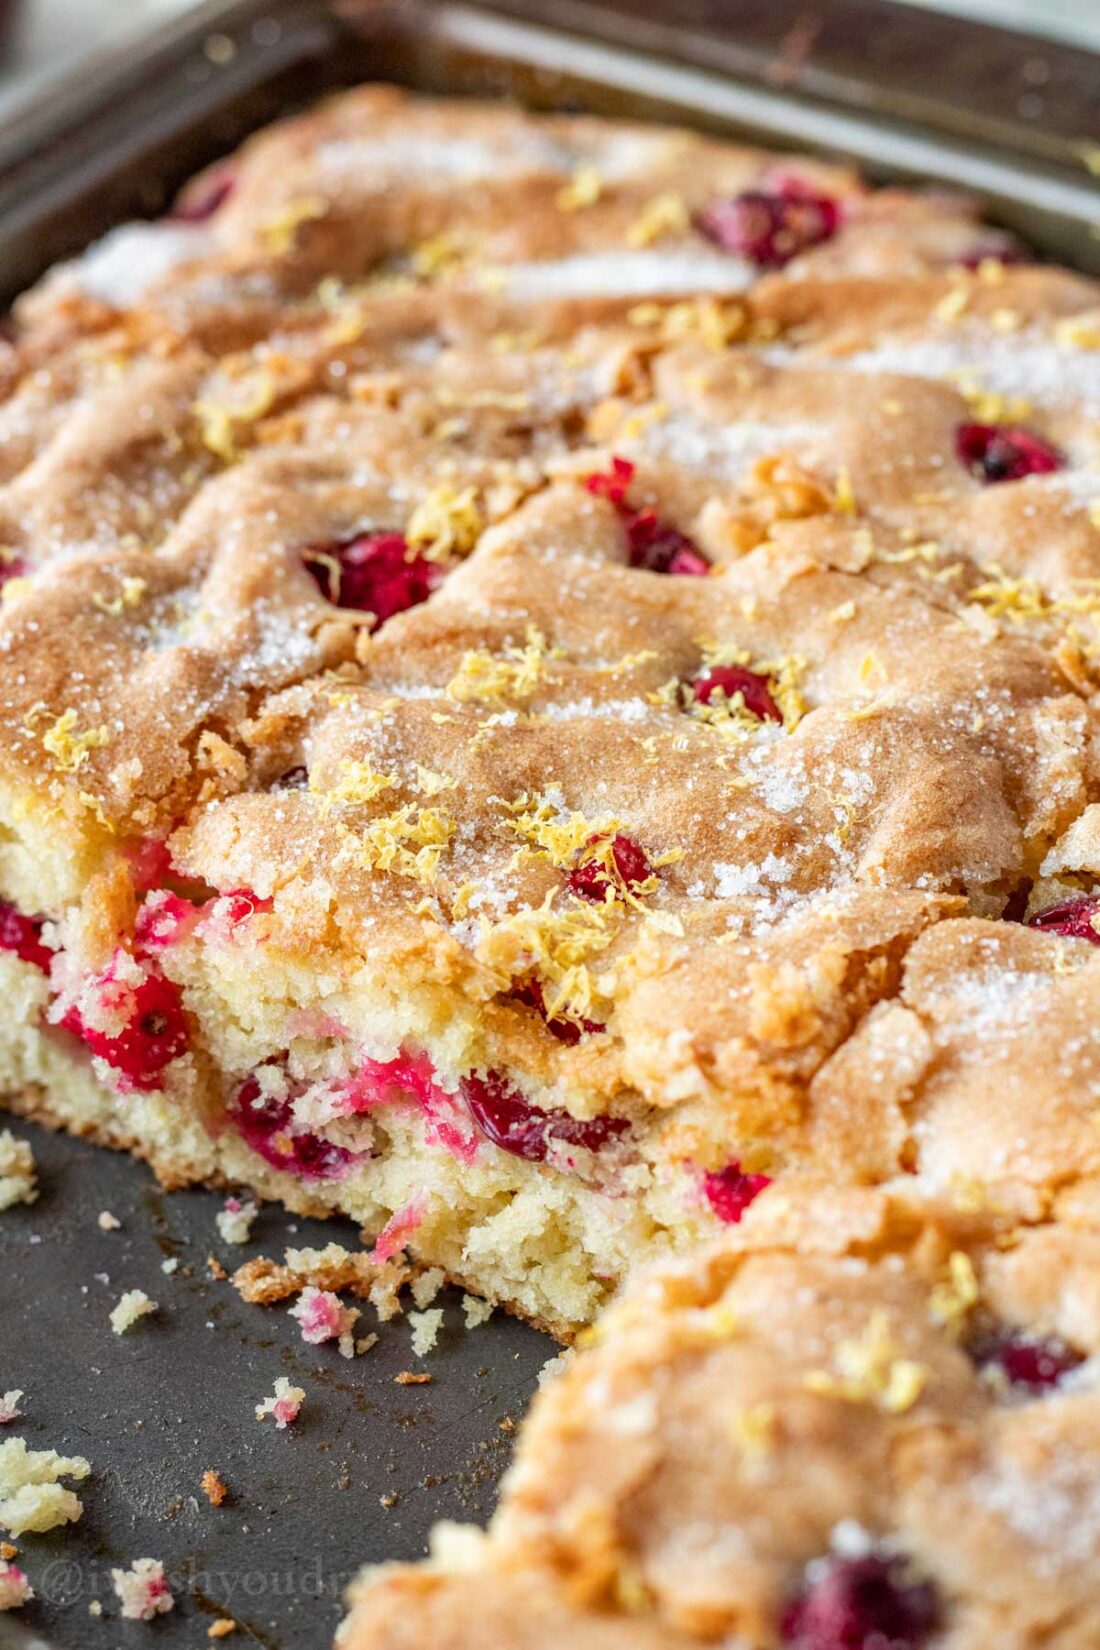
[374, 1464]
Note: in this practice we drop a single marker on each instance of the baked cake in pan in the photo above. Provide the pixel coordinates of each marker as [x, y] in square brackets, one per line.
[548, 694]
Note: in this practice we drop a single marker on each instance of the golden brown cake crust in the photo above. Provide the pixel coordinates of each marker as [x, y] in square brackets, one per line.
[545, 665]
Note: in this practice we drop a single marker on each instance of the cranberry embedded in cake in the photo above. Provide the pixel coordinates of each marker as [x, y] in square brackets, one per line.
[653, 545]
[23, 935]
[506, 1119]
[265, 1123]
[1077, 919]
[868, 1603]
[660, 548]
[206, 194]
[1005, 452]
[729, 680]
[1031, 1363]
[614, 865]
[729, 1191]
[155, 1032]
[566, 1031]
[376, 573]
[768, 227]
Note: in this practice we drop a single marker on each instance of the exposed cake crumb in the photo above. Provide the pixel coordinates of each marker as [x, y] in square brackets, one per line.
[15, 1589]
[285, 1405]
[107, 1222]
[426, 1287]
[18, 1179]
[408, 1377]
[216, 1269]
[221, 1628]
[31, 1496]
[95, 1608]
[425, 1330]
[476, 1311]
[143, 1590]
[322, 1317]
[133, 1305]
[263, 1281]
[9, 1406]
[169, 1266]
[213, 1487]
[234, 1222]
[8, 1550]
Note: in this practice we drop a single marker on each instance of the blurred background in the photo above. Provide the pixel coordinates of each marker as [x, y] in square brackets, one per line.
[41, 35]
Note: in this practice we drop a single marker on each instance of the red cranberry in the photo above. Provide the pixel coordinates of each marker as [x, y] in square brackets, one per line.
[1000, 251]
[754, 689]
[729, 1192]
[150, 863]
[652, 544]
[769, 228]
[868, 1603]
[163, 920]
[566, 1031]
[1004, 452]
[23, 935]
[378, 574]
[659, 548]
[613, 483]
[591, 880]
[12, 569]
[523, 1130]
[238, 905]
[265, 1124]
[1032, 1362]
[389, 1082]
[1074, 919]
[203, 197]
[155, 1034]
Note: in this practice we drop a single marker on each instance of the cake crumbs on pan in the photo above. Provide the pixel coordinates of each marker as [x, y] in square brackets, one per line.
[214, 1487]
[18, 1175]
[9, 1406]
[132, 1306]
[15, 1589]
[234, 1222]
[32, 1498]
[322, 1316]
[143, 1590]
[425, 1330]
[426, 1287]
[284, 1406]
[408, 1377]
[476, 1311]
[216, 1269]
[263, 1281]
[221, 1628]
[107, 1222]
[8, 1550]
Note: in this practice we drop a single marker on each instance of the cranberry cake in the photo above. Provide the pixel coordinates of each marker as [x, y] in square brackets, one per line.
[863, 1419]
[548, 693]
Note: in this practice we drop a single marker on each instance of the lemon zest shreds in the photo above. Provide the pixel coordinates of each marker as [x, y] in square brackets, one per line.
[550, 831]
[868, 1369]
[844, 497]
[495, 678]
[445, 523]
[358, 784]
[219, 421]
[1079, 331]
[281, 231]
[555, 946]
[663, 215]
[130, 593]
[714, 324]
[430, 783]
[956, 1294]
[989, 406]
[69, 749]
[583, 189]
[728, 713]
[409, 842]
